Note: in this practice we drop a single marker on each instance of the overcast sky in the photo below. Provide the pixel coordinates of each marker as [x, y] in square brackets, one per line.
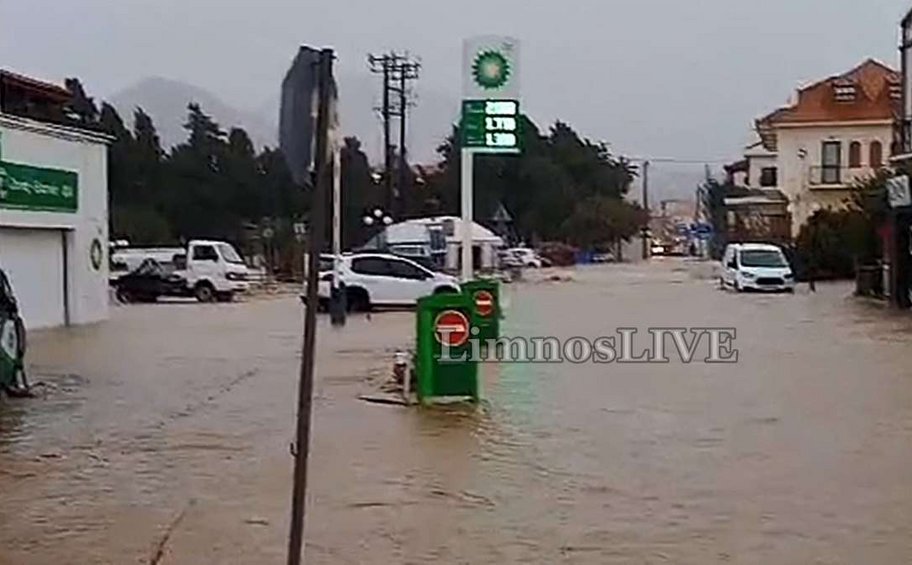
[669, 78]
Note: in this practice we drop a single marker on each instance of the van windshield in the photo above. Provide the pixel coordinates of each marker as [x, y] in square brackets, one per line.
[772, 259]
[229, 254]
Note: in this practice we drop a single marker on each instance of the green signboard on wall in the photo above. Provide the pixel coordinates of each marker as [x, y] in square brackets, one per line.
[24, 187]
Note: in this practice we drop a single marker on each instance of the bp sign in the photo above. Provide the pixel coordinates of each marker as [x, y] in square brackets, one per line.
[490, 106]
[490, 68]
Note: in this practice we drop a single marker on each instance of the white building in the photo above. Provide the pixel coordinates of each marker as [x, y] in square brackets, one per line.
[438, 239]
[839, 130]
[53, 217]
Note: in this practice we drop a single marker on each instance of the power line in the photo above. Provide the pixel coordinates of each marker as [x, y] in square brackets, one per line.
[676, 160]
[397, 69]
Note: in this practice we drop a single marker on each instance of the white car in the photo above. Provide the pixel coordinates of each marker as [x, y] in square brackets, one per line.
[379, 279]
[524, 257]
[756, 266]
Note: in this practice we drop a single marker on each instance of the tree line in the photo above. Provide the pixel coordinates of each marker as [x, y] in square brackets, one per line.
[216, 184]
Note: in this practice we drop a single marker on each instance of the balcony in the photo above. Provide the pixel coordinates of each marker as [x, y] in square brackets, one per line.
[828, 177]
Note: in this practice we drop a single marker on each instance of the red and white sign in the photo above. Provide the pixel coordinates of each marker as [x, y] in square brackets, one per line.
[451, 328]
[484, 303]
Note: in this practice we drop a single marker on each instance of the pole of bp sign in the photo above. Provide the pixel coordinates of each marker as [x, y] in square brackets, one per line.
[490, 116]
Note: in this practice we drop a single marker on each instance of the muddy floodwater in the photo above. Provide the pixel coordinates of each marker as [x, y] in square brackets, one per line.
[162, 436]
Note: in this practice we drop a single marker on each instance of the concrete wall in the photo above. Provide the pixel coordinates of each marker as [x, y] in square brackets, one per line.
[758, 162]
[33, 143]
[795, 171]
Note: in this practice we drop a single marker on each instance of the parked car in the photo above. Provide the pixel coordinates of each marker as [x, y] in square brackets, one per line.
[381, 279]
[756, 266]
[526, 257]
[149, 282]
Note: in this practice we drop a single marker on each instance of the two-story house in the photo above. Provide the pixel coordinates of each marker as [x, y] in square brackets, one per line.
[838, 130]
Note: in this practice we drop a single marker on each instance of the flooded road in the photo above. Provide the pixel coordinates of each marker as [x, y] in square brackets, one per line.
[163, 436]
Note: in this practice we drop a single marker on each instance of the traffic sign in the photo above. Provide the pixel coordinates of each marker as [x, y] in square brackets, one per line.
[484, 303]
[451, 328]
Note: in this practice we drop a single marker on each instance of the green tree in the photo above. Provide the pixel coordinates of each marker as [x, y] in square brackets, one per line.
[359, 193]
[81, 107]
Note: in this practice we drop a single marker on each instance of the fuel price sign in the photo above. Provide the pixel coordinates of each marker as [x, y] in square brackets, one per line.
[491, 126]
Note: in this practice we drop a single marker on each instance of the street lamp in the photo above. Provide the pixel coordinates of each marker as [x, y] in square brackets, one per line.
[377, 217]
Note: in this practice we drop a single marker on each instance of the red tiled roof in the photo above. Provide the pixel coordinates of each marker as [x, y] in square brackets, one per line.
[817, 103]
[47, 89]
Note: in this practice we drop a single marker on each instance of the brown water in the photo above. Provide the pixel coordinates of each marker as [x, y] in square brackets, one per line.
[166, 431]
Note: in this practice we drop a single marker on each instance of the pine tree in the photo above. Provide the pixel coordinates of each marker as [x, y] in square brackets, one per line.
[81, 107]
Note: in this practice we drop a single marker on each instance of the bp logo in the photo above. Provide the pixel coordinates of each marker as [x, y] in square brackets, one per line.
[491, 70]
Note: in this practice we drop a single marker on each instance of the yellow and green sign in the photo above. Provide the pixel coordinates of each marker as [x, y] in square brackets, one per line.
[24, 187]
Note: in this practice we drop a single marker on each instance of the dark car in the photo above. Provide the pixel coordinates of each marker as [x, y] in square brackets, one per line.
[148, 282]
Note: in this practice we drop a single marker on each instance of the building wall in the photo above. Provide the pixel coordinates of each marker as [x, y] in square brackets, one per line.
[32, 143]
[795, 171]
[756, 165]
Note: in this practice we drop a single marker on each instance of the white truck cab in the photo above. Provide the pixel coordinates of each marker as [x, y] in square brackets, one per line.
[215, 271]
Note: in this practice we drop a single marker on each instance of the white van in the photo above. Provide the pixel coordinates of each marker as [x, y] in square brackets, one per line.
[756, 266]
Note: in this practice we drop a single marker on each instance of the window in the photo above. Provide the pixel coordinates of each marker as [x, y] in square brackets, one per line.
[229, 253]
[876, 154]
[763, 258]
[371, 266]
[854, 155]
[205, 253]
[326, 264]
[769, 177]
[831, 153]
[844, 92]
[404, 270]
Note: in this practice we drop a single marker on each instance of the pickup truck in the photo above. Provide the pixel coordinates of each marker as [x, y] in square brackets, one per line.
[208, 271]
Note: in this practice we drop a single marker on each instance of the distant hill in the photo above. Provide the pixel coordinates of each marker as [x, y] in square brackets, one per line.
[166, 101]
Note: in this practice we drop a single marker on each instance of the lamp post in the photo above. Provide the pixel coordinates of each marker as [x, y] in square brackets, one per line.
[380, 218]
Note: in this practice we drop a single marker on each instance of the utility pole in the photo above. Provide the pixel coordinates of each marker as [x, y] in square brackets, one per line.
[397, 70]
[407, 70]
[646, 207]
[384, 64]
[322, 166]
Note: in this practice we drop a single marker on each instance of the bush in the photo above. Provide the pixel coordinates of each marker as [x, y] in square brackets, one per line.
[831, 242]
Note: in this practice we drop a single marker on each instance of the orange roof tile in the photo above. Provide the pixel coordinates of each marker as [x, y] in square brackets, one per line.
[818, 102]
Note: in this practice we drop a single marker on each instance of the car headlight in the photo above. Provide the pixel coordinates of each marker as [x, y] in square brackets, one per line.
[789, 276]
[749, 275]
[236, 277]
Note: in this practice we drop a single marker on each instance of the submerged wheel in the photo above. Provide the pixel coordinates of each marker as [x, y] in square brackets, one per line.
[204, 292]
[358, 300]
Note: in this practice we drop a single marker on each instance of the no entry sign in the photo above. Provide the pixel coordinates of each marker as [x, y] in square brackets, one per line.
[451, 328]
[484, 303]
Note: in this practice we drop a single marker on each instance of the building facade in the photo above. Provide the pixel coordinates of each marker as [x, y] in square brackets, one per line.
[53, 212]
[838, 131]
